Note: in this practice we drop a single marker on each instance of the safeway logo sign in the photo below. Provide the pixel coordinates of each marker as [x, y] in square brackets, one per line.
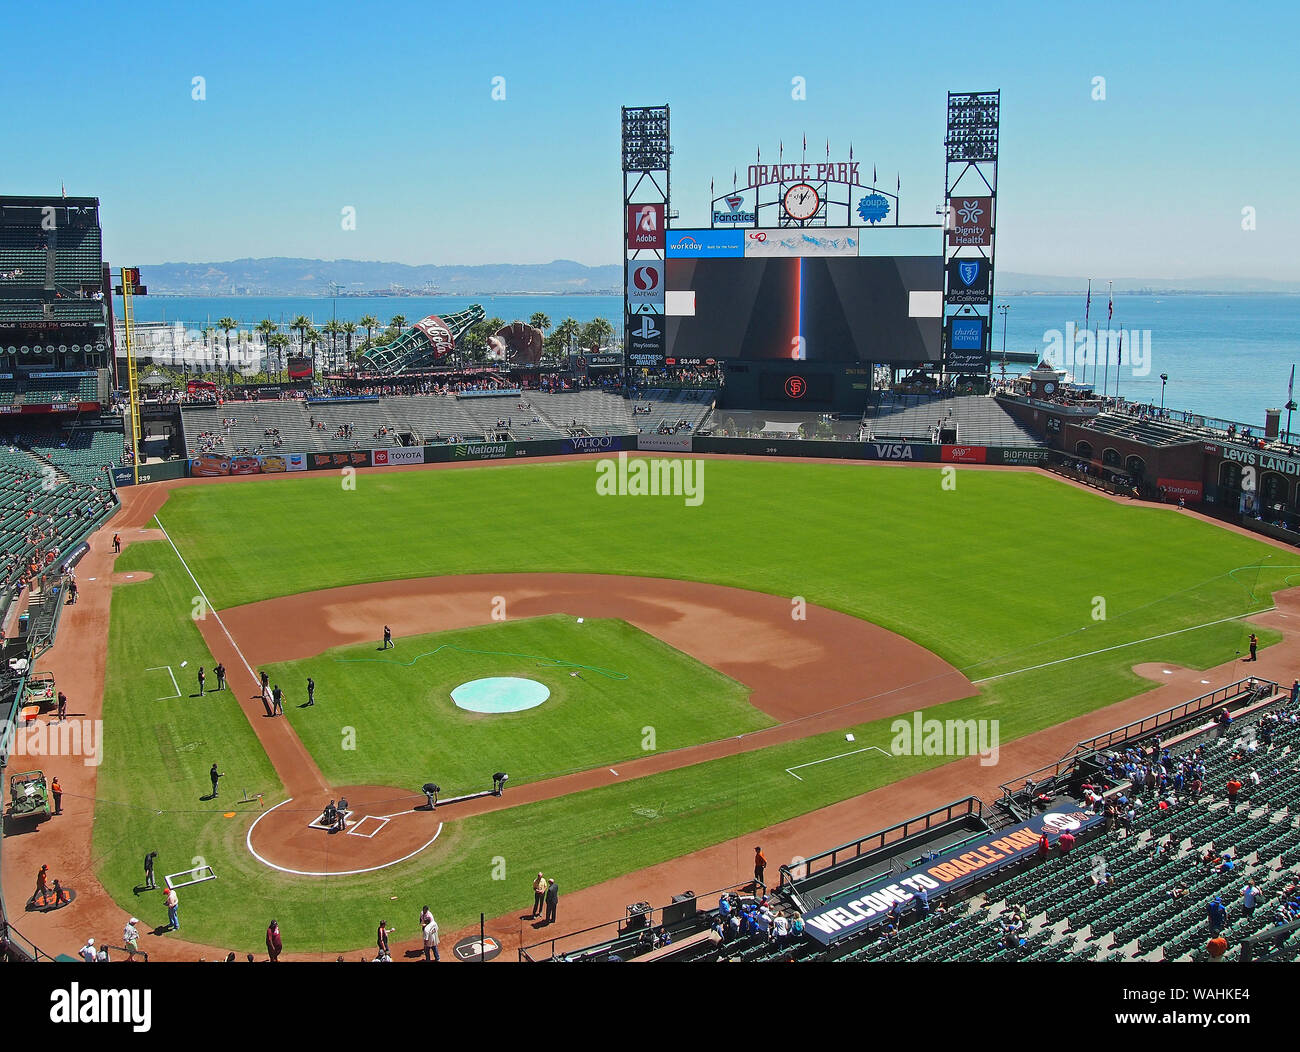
[645, 282]
[645, 226]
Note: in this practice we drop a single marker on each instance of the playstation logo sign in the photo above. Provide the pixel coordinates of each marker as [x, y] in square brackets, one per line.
[647, 329]
[645, 340]
[645, 226]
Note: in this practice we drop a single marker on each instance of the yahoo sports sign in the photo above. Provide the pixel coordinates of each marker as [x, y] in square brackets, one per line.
[947, 873]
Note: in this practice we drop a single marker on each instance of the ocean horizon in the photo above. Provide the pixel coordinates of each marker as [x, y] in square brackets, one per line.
[1227, 355]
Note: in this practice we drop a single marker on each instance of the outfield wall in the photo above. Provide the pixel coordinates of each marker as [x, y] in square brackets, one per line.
[277, 463]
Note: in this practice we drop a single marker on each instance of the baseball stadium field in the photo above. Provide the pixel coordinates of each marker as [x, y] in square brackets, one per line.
[721, 646]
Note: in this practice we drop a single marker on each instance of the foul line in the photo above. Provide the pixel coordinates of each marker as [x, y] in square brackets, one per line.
[208, 603]
[175, 685]
[1121, 646]
[790, 770]
[248, 842]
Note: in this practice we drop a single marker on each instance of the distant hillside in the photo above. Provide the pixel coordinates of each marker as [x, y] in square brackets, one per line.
[1009, 283]
[279, 276]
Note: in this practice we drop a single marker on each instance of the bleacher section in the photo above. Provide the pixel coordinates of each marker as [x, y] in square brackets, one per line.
[43, 512]
[597, 411]
[670, 409]
[1149, 432]
[980, 420]
[55, 390]
[1136, 887]
[81, 453]
[432, 418]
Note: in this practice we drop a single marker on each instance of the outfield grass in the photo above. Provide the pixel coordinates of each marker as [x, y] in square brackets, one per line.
[631, 690]
[1028, 604]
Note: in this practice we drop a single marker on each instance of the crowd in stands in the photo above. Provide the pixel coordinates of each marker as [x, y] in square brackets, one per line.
[741, 917]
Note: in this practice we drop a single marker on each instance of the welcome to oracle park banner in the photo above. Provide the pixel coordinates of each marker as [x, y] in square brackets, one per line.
[946, 873]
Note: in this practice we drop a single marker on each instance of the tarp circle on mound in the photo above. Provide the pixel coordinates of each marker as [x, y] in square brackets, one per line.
[500, 694]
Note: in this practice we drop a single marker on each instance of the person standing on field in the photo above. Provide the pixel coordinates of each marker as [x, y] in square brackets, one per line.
[552, 900]
[388, 638]
[274, 944]
[539, 894]
[311, 691]
[429, 932]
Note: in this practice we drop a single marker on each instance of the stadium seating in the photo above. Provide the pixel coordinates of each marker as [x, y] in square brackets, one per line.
[980, 421]
[43, 511]
[1067, 915]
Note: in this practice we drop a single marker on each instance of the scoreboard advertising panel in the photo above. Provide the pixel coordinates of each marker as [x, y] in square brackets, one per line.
[847, 308]
[966, 352]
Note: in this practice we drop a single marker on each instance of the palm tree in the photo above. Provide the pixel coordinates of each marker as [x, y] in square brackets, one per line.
[227, 325]
[279, 341]
[300, 325]
[565, 333]
[398, 323]
[332, 329]
[313, 337]
[266, 327]
[370, 323]
[539, 320]
[597, 332]
[349, 330]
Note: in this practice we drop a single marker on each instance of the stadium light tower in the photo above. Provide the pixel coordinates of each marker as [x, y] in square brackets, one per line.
[1164, 379]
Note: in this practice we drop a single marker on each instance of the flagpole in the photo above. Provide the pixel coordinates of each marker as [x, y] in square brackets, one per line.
[1290, 404]
[1087, 307]
[1119, 365]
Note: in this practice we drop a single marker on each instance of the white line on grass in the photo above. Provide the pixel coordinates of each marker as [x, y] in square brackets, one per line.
[175, 685]
[813, 763]
[207, 603]
[1119, 646]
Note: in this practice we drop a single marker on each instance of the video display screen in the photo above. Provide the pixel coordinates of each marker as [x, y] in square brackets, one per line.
[834, 309]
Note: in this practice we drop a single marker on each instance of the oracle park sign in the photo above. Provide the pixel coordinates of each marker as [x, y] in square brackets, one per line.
[942, 875]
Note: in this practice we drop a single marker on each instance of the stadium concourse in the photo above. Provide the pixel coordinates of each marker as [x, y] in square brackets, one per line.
[1258, 832]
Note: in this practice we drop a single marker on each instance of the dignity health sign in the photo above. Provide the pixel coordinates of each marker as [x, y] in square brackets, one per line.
[949, 872]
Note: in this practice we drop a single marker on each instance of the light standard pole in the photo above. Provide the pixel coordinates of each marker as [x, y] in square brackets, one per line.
[1164, 379]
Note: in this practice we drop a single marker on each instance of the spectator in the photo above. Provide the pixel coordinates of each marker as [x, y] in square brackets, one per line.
[1216, 914]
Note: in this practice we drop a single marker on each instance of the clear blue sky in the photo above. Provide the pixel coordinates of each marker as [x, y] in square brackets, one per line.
[386, 107]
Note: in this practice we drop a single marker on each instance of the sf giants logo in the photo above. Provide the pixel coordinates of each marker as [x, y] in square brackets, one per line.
[796, 386]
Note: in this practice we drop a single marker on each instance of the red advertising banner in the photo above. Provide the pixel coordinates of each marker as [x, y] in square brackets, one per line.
[1188, 489]
[645, 226]
[964, 454]
[970, 221]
